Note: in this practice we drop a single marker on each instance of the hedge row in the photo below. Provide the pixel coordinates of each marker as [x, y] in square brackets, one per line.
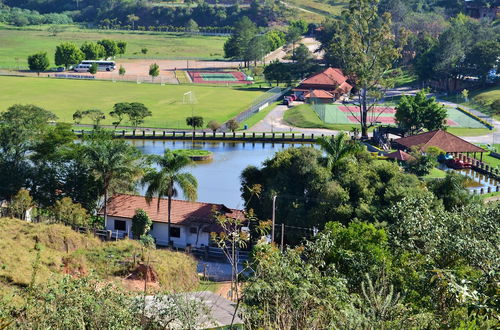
[473, 116]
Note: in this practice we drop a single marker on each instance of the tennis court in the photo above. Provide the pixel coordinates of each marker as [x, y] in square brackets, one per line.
[341, 114]
[218, 77]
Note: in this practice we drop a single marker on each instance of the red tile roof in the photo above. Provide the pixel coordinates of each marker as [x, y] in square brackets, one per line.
[441, 139]
[183, 212]
[319, 94]
[399, 155]
[331, 77]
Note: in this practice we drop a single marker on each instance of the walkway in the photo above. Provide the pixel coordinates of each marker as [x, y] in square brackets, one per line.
[274, 122]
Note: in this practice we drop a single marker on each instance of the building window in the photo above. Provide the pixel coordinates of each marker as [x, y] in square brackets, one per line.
[120, 225]
[193, 230]
[175, 232]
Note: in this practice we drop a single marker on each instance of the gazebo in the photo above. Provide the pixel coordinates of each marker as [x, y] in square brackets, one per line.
[441, 139]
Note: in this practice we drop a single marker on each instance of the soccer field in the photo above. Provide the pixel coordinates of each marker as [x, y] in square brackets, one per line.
[64, 96]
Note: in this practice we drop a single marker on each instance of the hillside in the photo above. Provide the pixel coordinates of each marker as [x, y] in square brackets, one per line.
[64, 251]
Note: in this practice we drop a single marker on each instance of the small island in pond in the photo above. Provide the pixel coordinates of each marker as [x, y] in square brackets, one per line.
[195, 154]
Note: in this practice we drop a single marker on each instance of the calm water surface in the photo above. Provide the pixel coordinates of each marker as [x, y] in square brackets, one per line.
[219, 179]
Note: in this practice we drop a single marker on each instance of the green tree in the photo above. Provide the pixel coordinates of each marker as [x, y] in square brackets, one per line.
[116, 164]
[92, 51]
[93, 68]
[137, 112]
[144, 50]
[214, 125]
[154, 71]
[132, 19]
[20, 204]
[38, 62]
[191, 25]
[110, 47]
[232, 125]
[95, 115]
[483, 57]
[420, 164]
[168, 179]
[141, 223]
[293, 35]
[68, 54]
[120, 111]
[195, 121]
[121, 70]
[238, 45]
[277, 71]
[414, 113]
[451, 190]
[338, 148]
[364, 46]
[122, 47]
[66, 211]
[21, 126]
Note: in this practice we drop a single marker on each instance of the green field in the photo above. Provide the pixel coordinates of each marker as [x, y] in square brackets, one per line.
[17, 44]
[317, 10]
[63, 97]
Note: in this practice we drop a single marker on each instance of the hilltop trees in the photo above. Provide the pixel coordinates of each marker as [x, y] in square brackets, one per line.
[68, 54]
[364, 46]
[239, 45]
[38, 62]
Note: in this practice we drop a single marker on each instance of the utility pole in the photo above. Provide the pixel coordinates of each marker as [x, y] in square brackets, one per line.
[274, 218]
[282, 236]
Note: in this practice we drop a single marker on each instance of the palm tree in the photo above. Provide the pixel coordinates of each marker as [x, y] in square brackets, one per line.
[338, 148]
[115, 163]
[168, 179]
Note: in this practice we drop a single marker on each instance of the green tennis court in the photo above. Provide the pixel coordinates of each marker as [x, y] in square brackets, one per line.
[340, 114]
[218, 77]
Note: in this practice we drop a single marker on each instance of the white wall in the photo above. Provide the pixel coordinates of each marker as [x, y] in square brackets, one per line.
[159, 233]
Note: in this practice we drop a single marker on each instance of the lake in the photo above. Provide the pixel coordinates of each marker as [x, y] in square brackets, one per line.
[218, 179]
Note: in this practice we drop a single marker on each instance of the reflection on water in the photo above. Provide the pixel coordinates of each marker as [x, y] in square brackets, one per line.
[479, 180]
[218, 179]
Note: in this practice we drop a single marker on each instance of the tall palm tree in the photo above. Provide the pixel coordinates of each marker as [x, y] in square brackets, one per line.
[338, 148]
[115, 163]
[168, 179]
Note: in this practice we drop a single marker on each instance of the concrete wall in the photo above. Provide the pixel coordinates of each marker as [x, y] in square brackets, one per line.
[159, 233]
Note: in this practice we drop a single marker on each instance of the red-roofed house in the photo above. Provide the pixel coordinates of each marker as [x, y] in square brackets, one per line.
[320, 96]
[191, 222]
[331, 80]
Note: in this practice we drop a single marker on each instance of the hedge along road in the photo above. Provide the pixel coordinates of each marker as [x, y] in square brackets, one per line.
[64, 96]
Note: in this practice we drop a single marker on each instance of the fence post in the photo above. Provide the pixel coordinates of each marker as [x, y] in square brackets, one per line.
[489, 190]
[223, 135]
[154, 133]
[234, 135]
[163, 133]
[293, 136]
[244, 134]
[264, 135]
[123, 133]
[173, 134]
[283, 136]
[204, 134]
[133, 132]
[253, 135]
[143, 133]
[481, 191]
[312, 136]
[184, 134]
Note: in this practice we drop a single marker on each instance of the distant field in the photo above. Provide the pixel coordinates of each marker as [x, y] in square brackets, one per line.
[63, 97]
[487, 96]
[319, 9]
[17, 45]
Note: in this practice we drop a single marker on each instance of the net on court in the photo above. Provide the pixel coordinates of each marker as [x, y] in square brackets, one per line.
[218, 77]
[349, 114]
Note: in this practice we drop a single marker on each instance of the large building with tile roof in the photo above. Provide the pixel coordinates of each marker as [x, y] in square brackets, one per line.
[331, 80]
[191, 222]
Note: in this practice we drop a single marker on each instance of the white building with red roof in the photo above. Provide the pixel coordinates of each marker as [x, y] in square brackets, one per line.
[191, 222]
[331, 81]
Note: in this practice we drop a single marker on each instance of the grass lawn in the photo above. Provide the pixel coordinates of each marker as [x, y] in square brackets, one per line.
[323, 8]
[435, 173]
[492, 161]
[464, 131]
[64, 96]
[17, 44]
[486, 95]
